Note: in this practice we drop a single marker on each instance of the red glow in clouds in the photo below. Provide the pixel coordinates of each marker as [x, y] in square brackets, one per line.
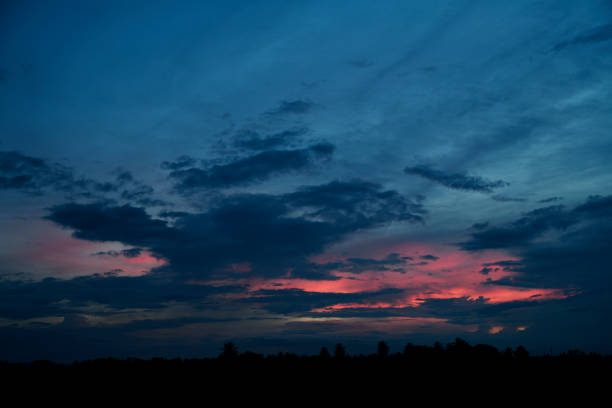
[56, 253]
[455, 274]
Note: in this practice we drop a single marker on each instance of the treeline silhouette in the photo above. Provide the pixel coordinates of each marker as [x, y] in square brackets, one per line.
[435, 372]
[414, 358]
[438, 371]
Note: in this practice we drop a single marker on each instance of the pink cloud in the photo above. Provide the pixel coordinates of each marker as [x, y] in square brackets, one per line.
[53, 252]
[456, 274]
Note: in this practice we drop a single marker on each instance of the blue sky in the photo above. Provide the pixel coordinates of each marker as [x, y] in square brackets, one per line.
[287, 174]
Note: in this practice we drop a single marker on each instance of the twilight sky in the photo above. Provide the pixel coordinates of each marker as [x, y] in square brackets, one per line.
[292, 174]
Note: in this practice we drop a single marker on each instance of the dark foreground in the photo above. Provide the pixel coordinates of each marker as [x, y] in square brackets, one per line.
[417, 367]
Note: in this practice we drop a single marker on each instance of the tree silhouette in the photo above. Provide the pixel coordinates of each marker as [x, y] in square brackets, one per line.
[339, 351]
[383, 349]
[479, 360]
[459, 347]
[521, 353]
[409, 349]
[229, 350]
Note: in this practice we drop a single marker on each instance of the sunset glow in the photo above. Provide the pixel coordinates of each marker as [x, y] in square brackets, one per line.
[291, 175]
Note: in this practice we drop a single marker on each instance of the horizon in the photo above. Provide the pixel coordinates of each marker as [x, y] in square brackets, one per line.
[423, 353]
[289, 176]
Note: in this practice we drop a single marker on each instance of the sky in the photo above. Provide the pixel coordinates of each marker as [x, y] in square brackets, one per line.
[289, 175]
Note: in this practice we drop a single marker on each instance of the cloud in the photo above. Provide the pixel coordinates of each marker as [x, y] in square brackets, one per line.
[576, 260]
[357, 265]
[251, 169]
[124, 177]
[141, 194]
[298, 301]
[430, 257]
[294, 107]
[485, 270]
[392, 262]
[507, 265]
[128, 253]
[21, 172]
[180, 163]
[100, 222]
[534, 224]
[356, 202]
[521, 231]
[251, 140]
[480, 225]
[457, 181]
[506, 199]
[273, 233]
[550, 200]
[50, 296]
[460, 310]
[361, 63]
[593, 36]
[36, 176]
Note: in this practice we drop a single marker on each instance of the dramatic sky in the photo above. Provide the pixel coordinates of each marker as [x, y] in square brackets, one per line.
[292, 174]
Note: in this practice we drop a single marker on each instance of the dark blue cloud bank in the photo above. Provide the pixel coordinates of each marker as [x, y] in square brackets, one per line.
[290, 175]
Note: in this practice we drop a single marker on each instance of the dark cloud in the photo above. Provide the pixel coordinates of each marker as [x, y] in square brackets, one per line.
[21, 172]
[36, 176]
[180, 163]
[137, 193]
[251, 140]
[457, 181]
[172, 214]
[391, 262]
[577, 261]
[100, 222]
[124, 177]
[550, 200]
[485, 270]
[521, 231]
[294, 107]
[24, 300]
[125, 187]
[391, 259]
[299, 301]
[128, 253]
[361, 63]
[596, 207]
[506, 199]
[593, 36]
[507, 266]
[262, 230]
[535, 223]
[251, 169]
[357, 203]
[463, 311]
[313, 271]
[480, 225]
[504, 264]
[430, 257]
